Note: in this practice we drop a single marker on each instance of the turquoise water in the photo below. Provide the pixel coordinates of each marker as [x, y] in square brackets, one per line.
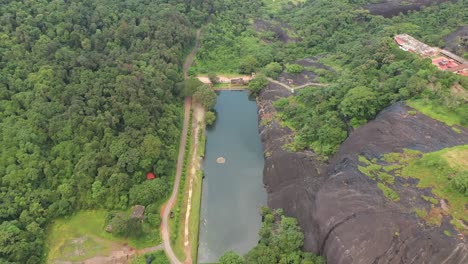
[233, 192]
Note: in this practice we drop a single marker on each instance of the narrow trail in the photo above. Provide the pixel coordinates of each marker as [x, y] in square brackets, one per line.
[189, 60]
[175, 190]
[194, 166]
[180, 162]
[292, 89]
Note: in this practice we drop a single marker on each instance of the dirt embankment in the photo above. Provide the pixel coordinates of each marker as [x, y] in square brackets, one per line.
[390, 8]
[345, 217]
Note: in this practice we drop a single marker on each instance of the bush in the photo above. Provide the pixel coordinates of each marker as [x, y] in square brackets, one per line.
[273, 70]
[231, 257]
[460, 182]
[213, 78]
[206, 96]
[257, 84]
[210, 118]
[149, 192]
[124, 225]
[294, 68]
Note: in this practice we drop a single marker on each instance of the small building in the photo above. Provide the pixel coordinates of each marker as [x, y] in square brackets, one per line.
[138, 212]
[408, 43]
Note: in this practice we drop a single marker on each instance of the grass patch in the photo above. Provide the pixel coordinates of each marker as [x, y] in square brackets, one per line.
[388, 192]
[82, 236]
[420, 212]
[447, 233]
[432, 200]
[456, 116]
[444, 172]
[435, 170]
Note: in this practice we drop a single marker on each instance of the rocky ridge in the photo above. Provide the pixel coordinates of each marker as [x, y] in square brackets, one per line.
[344, 216]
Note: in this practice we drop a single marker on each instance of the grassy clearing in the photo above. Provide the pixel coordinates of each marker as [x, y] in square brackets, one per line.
[451, 117]
[436, 171]
[158, 257]
[88, 226]
[82, 236]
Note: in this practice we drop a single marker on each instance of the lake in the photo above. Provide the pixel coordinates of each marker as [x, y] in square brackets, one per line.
[233, 192]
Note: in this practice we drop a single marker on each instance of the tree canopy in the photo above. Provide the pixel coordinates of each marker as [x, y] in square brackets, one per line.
[88, 106]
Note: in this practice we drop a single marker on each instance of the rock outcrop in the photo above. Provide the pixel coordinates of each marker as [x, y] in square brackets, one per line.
[345, 217]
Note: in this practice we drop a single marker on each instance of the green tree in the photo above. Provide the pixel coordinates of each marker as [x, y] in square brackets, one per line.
[206, 96]
[257, 84]
[210, 118]
[360, 102]
[213, 78]
[294, 68]
[248, 65]
[231, 257]
[273, 70]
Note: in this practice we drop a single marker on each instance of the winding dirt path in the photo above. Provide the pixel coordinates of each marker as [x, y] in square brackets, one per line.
[180, 162]
[292, 89]
[170, 203]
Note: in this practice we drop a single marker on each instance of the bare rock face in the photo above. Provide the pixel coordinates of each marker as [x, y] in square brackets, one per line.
[345, 217]
[390, 8]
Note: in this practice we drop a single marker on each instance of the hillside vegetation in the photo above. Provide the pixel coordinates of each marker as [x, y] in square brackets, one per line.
[369, 71]
[88, 106]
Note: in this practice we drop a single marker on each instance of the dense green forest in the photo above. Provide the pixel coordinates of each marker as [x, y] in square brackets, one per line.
[88, 106]
[368, 73]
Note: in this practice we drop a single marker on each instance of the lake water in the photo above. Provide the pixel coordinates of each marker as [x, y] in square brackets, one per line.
[233, 192]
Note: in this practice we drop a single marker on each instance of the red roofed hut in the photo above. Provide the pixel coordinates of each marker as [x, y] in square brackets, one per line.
[150, 176]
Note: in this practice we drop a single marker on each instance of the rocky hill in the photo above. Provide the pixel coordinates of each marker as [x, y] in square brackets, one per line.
[344, 215]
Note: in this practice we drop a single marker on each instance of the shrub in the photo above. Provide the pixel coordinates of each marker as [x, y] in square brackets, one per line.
[294, 68]
[273, 70]
[257, 84]
[459, 182]
[210, 118]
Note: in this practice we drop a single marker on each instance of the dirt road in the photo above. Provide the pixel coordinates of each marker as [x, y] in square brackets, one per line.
[180, 162]
[170, 203]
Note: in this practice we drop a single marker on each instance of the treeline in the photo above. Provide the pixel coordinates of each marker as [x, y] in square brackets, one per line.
[281, 240]
[88, 106]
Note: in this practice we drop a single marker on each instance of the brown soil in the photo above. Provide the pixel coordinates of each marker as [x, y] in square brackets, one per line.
[390, 8]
